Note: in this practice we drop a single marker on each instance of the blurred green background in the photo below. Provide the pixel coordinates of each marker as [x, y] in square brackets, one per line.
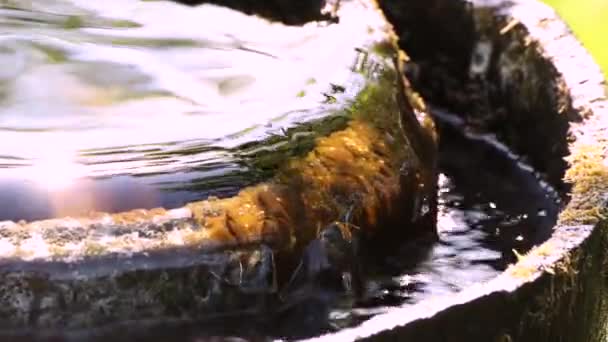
[589, 21]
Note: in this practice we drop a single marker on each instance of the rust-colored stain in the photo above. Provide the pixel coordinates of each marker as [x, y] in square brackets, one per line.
[349, 170]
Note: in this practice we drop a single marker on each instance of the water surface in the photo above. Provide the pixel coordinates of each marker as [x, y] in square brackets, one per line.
[120, 104]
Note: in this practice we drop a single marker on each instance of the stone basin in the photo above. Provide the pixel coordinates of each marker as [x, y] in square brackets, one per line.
[514, 70]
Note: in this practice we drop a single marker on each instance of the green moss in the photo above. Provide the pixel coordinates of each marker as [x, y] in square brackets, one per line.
[384, 49]
[588, 175]
[301, 93]
[376, 104]
[264, 157]
[311, 81]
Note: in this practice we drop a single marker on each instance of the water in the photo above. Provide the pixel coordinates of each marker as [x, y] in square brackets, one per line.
[86, 76]
[123, 104]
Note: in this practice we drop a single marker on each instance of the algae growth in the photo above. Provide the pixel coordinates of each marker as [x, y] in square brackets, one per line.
[588, 173]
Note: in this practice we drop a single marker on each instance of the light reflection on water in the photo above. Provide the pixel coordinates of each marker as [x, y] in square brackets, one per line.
[105, 98]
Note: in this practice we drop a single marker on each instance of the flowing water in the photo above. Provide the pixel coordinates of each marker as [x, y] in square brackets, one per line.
[86, 89]
[121, 104]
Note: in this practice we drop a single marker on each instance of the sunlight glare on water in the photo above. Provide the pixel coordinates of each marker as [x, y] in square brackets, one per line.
[151, 95]
[55, 172]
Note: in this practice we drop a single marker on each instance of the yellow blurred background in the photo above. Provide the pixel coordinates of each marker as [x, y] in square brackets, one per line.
[589, 21]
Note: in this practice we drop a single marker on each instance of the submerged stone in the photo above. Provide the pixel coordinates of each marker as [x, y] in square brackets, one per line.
[319, 139]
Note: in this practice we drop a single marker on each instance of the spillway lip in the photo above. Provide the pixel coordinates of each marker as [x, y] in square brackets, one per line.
[581, 87]
[199, 259]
